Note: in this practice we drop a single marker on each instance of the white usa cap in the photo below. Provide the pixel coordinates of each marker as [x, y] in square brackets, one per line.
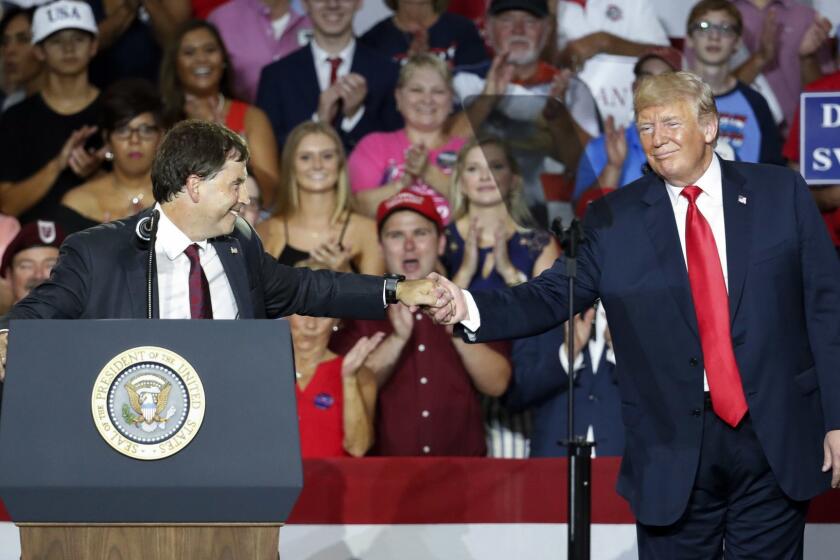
[64, 14]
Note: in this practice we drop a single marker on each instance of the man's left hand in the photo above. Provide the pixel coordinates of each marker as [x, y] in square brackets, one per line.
[831, 447]
[422, 292]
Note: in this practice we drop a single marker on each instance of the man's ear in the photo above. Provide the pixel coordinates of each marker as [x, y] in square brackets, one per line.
[39, 53]
[192, 187]
[709, 125]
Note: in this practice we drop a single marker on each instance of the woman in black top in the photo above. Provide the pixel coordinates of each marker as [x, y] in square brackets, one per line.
[313, 218]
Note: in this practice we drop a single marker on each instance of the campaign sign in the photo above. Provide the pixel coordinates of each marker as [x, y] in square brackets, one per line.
[819, 137]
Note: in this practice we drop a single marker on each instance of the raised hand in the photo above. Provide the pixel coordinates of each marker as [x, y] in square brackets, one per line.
[353, 90]
[469, 264]
[768, 38]
[815, 36]
[499, 76]
[416, 160]
[335, 256]
[419, 40]
[616, 143]
[73, 154]
[355, 358]
[328, 103]
[402, 320]
[583, 330]
[503, 265]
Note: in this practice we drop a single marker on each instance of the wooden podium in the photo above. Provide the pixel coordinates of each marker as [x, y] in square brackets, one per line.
[74, 492]
[148, 542]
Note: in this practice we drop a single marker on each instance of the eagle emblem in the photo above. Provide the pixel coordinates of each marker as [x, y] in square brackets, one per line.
[149, 400]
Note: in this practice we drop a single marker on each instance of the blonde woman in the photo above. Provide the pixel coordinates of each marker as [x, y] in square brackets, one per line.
[312, 217]
[489, 244]
[421, 155]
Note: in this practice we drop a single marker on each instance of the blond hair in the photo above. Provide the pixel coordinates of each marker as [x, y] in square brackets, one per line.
[515, 201]
[676, 86]
[424, 60]
[288, 199]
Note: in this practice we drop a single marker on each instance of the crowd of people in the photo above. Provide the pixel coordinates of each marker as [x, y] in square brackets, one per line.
[433, 142]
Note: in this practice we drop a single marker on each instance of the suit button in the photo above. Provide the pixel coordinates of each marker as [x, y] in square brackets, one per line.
[591, 397]
[693, 362]
[697, 412]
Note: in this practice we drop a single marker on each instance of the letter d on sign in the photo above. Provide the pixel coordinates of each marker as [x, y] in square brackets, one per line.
[831, 115]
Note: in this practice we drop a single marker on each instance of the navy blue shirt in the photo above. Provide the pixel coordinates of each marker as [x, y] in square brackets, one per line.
[452, 37]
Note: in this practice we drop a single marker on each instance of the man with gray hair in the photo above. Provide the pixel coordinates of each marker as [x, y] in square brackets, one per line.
[546, 114]
[721, 287]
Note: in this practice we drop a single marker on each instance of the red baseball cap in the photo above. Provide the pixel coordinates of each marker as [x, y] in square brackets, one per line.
[409, 200]
[42, 233]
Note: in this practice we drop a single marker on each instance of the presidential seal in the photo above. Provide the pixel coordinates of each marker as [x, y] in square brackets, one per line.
[148, 403]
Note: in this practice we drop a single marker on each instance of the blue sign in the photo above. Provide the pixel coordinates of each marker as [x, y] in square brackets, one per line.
[819, 137]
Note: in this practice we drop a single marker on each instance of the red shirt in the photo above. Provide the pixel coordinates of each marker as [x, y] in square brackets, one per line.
[791, 149]
[321, 412]
[429, 405]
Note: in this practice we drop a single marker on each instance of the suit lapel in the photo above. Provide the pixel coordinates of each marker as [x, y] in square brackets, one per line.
[662, 229]
[737, 217]
[236, 269]
[308, 80]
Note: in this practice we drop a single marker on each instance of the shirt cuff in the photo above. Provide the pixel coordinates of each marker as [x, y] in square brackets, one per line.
[473, 322]
[564, 360]
[384, 301]
[349, 123]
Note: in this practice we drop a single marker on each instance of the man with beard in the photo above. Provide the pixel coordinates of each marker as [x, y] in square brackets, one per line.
[546, 114]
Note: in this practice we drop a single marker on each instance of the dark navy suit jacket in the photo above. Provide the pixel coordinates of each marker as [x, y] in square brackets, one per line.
[289, 93]
[784, 301]
[540, 383]
[101, 274]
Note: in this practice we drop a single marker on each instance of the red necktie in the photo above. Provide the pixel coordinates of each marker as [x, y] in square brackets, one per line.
[200, 304]
[711, 304]
[335, 62]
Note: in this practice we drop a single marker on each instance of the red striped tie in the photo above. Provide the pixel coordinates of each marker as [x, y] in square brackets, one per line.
[711, 304]
[201, 306]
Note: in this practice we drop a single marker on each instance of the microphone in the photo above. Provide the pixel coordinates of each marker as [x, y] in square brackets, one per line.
[143, 231]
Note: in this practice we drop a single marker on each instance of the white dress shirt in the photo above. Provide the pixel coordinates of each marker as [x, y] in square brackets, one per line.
[710, 204]
[173, 271]
[323, 69]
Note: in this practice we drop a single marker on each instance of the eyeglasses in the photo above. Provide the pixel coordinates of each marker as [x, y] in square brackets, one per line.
[723, 29]
[144, 131]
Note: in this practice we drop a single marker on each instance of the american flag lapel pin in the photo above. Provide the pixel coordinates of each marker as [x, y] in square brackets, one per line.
[742, 199]
[234, 251]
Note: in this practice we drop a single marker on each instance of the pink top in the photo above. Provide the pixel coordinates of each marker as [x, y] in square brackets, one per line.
[379, 159]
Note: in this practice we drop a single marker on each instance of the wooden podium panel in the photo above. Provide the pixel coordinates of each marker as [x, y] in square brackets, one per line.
[149, 542]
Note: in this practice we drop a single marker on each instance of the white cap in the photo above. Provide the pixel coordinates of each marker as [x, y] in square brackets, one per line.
[64, 14]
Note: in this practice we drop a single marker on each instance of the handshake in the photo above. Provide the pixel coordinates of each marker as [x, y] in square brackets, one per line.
[437, 296]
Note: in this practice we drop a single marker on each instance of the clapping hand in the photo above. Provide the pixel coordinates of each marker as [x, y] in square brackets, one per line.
[81, 161]
[583, 330]
[616, 143]
[355, 358]
[335, 255]
[499, 76]
[815, 36]
[416, 160]
[469, 264]
[352, 89]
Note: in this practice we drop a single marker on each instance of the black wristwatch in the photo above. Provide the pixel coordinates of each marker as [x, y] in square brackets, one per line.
[391, 281]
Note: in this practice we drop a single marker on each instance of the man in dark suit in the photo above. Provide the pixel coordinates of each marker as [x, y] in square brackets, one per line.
[723, 295]
[334, 79]
[206, 261]
[540, 385]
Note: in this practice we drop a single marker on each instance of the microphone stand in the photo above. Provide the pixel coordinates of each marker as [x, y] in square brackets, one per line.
[579, 476]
